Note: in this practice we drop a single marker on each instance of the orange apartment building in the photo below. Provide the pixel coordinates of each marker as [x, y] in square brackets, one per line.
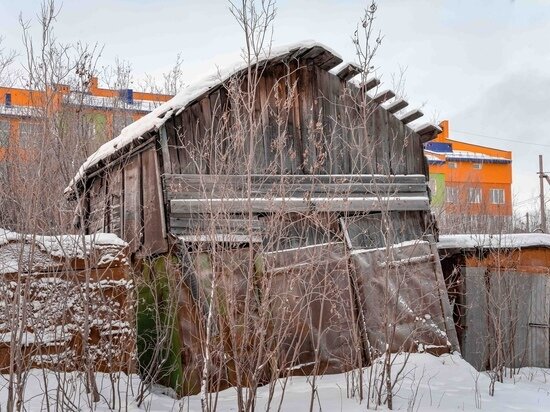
[471, 185]
[107, 111]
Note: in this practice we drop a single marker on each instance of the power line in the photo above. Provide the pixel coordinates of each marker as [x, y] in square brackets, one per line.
[501, 138]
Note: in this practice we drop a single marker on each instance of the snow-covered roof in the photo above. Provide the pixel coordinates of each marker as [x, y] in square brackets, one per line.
[23, 252]
[486, 241]
[155, 119]
[462, 155]
[433, 158]
[103, 102]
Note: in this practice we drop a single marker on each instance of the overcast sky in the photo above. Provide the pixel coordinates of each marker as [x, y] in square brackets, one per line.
[483, 65]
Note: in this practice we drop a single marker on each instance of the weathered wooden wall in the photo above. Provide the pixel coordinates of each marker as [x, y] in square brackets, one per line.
[127, 200]
[322, 132]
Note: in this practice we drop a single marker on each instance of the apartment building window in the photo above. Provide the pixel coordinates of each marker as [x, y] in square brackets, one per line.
[452, 194]
[497, 196]
[4, 133]
[474, 195]
[477, 166]
[452, 165]
[29, 132]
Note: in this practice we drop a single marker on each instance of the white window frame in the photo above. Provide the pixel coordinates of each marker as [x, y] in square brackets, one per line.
[4, 133]
[497, 196]
[452, 165]
[474, 195]
[451, 194]
[477, 166]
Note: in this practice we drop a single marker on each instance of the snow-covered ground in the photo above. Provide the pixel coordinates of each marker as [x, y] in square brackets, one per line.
[429, 383]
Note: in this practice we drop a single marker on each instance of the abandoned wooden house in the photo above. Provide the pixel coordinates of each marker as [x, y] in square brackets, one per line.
[499, 286]
[276, 213]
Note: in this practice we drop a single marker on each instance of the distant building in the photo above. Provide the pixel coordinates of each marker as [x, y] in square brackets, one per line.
[108, 111]
[470, 184]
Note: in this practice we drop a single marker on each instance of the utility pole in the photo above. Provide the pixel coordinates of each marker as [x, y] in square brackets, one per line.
[528, 227]
[542, 176]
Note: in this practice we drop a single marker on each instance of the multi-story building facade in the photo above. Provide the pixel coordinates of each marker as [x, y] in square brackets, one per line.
[106, 111]
[471, 185]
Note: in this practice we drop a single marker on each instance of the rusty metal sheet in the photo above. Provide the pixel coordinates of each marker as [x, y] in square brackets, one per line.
[400, 298]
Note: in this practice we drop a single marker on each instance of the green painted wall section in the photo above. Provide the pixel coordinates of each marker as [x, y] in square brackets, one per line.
[437, 184]
[157, 322]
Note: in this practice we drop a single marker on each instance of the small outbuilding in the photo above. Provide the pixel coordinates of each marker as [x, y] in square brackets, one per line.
[499, 287]
[278, 214]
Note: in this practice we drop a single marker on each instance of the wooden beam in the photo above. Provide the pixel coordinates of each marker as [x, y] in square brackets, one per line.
[396, 105]
[383, 96]
[217, 186]
[331, 61]
[411, 116]
[163, 141]
[300, 205]
[370, 84]
[349, 71]
[427, 131]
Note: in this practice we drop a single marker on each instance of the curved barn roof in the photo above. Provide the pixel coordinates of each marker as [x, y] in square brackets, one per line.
[323, 55]
[136, 133]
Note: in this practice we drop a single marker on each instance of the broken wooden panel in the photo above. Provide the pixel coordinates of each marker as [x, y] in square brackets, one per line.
[154, 230]
[401, 299]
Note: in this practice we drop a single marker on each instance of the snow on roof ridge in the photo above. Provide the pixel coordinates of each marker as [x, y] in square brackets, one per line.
[156, 118]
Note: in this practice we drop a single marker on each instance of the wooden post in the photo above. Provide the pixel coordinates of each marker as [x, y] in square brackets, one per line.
[542, 207]
[527, 222]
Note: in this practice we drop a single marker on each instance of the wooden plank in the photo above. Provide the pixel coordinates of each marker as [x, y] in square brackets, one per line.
[208, 135]
[398, 145]
[427, 131]
[296, 123]
[295, 204]
[340, 152]
[154, 230]
[132, 203]
[370, 84]
[115, 201]
[349, 71]
[190, 186]
[98, 218]
[163, 141]
[193, 222]
[411, 116]
[383, 96]
[330, 61]
[396, 105]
